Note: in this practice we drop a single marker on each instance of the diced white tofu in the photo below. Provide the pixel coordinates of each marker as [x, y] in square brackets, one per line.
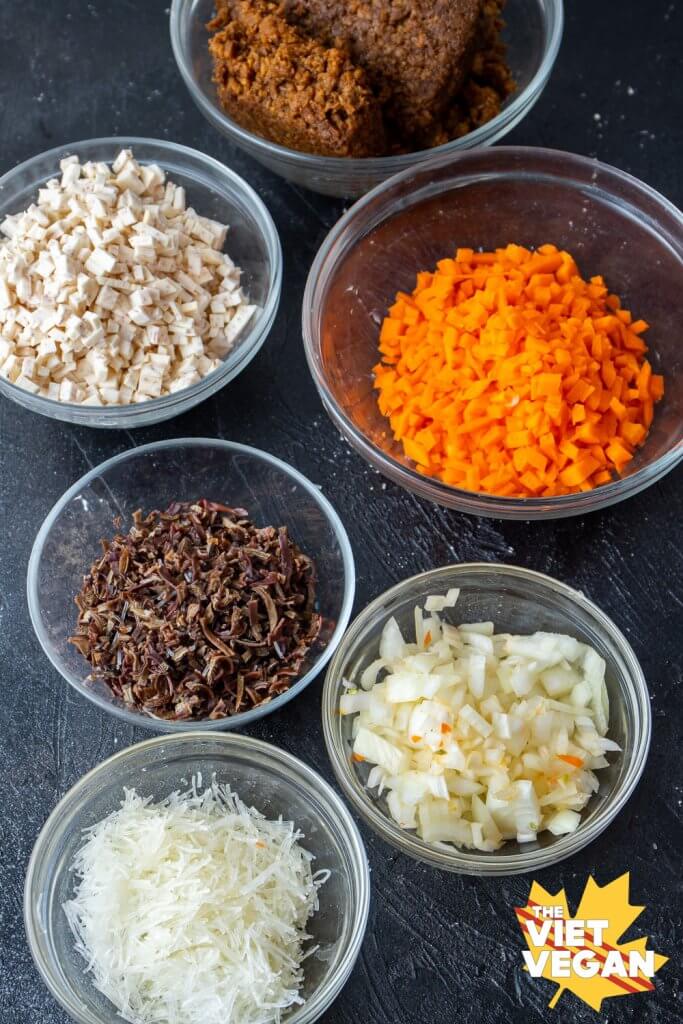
[100, 262]
[150, 381]
[68, 391]
[243, 315]
[27, 384]
[112, 290]
[11, 368]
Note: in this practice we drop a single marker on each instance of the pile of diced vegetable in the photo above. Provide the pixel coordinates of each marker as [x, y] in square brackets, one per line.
[476, 737]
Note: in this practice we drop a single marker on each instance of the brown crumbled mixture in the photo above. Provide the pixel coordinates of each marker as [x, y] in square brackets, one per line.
[487, 85]
[360, 78]
[416, 55]
[281, 84]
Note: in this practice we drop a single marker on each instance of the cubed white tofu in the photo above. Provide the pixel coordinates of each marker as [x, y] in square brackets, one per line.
[150, 381]
[243, 315]
[68, 391]
[112, 290]
[11, 368]
[128, 178]
[27, 383]
[124, 157]
[100, 262]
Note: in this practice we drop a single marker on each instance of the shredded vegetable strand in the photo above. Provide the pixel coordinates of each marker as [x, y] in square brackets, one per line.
[193, 910]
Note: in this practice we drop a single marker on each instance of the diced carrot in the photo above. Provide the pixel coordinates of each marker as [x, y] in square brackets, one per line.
[633, 433]
[648, 413]
[580, 392]
[391, 330]
[588, 433]
[618, 408]
[618, 453]
[518, 439]
[507, 372]
[639, 326]
[546, 384]
[531, 481]
[577, 472]
[575, 762]
[643, 382]
[537, 459]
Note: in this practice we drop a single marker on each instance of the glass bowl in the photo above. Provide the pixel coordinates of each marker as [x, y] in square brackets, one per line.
[519, 601]
[152, 476]
[533, 34]
[215, 191]
[269, 779]
[612, 224]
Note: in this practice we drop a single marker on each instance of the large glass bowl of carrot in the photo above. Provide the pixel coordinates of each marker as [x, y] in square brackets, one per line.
[498, 332]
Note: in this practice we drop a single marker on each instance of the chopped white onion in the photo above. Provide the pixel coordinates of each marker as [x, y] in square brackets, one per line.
[477, 737]
[369, 676]
[437, 603]
[391, 645]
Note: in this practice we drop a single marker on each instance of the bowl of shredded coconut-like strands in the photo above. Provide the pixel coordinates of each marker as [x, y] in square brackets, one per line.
[205, 879]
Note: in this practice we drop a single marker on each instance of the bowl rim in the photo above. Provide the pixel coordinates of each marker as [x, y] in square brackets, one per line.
[286, 763]
[254, 335]
[552, 14]
[509, 161]
[471, 862]
[244, 718]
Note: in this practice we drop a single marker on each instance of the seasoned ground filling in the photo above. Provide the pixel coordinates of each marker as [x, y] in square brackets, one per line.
[277, 82]
[415, 54]
[359, 78]
[487, 84]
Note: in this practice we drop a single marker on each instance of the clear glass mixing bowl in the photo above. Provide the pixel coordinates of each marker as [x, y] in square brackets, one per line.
[150, 477]
[216, 192]
[269, 779]
[517, 601]
[532, 35]
[611, 223]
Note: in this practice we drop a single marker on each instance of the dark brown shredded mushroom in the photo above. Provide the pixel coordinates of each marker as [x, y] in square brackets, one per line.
[197, 613]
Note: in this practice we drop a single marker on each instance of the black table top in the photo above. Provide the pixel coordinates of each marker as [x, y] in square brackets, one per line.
[439, 947]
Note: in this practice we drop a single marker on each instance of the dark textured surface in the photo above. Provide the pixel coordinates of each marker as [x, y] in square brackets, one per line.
[439, 948]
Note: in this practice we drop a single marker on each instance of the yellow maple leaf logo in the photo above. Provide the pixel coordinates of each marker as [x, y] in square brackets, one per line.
[582, 952]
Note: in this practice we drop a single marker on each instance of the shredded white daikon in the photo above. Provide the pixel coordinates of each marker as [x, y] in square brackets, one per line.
[478, 737]
[193, 910]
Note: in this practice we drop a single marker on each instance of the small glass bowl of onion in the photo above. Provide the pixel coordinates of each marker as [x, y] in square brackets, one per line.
[264, 777]
[507, 600]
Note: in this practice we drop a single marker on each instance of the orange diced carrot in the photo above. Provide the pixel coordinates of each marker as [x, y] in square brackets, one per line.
[508, 372]
[633, 433]
[618, 453]
[579, 471]
[575, 762]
